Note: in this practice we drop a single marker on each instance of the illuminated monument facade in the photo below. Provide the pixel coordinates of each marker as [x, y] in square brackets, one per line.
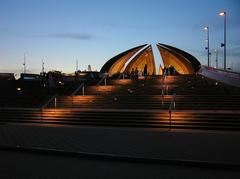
[138, 57]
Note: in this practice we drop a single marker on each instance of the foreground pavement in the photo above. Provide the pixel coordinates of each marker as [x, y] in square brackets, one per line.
[99, 152]
[25, 165]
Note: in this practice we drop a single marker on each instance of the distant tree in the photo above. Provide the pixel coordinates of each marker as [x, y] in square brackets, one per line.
[54, 78]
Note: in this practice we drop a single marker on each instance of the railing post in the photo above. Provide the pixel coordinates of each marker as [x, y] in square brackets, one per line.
[41, 116]
[170, 119]
[105, 81]
[162, 80]
[162, 98]
[55, 102]
[174, 101]
[172, 106]
[72, 99]
[167, 90]
[83, 90]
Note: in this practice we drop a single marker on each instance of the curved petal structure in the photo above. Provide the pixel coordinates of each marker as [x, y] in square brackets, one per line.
[116, 64]
[183, 62]
[145, 57]
[140, 56]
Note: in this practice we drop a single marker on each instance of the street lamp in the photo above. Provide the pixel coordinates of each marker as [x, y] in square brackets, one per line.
[216, 51]
[207, 48]
[210, 58]
[225, 29]
[24, 63]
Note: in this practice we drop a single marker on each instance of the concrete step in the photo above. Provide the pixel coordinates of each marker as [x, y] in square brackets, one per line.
[184, 119]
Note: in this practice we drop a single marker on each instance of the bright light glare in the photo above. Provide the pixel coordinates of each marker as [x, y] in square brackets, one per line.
[222, 13]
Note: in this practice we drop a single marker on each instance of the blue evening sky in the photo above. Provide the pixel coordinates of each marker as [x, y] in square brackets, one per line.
[93, 31]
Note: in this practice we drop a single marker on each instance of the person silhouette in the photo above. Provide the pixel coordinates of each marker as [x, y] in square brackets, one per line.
[136, 73]
[145, 72]
[132, 73]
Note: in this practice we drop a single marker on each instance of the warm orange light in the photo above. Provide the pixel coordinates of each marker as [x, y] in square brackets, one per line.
[108, 88]
[124, 82]
[83, 100]
[141, 77]
[54, 113]
[79, 101]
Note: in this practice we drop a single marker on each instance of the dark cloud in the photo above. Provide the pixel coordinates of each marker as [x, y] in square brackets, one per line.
[75, 36]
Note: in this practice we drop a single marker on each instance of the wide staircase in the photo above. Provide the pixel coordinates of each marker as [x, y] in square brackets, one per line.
[186, 102]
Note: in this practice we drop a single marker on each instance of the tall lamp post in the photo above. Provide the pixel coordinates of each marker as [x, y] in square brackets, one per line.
[24, 63]
[207, 48]
[225, 29]
[216, 51]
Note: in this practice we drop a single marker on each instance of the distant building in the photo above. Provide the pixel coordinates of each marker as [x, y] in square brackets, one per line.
[30, 84]
[7, 83]
[7, 76]
[30, 77]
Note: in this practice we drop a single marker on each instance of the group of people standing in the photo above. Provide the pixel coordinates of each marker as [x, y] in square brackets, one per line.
[134, 74]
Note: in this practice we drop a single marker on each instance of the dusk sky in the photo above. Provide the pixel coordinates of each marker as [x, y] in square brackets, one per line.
[93, 31]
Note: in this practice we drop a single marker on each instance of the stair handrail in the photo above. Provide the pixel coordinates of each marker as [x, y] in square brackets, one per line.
[101, 80]
[164, 76]
[163, 86]
[120, 76]
[172, 106]
[78, 88]
[49, 101]
[54, 97]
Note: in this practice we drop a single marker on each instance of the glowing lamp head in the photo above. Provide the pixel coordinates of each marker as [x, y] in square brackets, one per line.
[222, 13]
[205, 28]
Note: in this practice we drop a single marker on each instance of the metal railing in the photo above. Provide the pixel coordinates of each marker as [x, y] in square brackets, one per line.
[164, 77]
[164, 88]
[104, 78]
[172, 107]
[121, 76]
[162, 99]
[54, 97]
[78, 88]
